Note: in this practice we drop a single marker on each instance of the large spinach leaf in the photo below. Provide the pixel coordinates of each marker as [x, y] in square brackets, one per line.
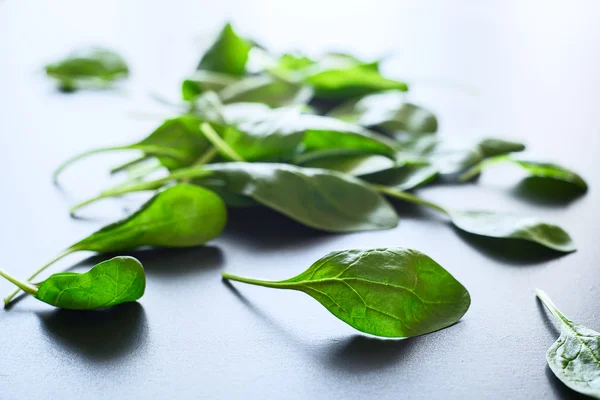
[390, 292]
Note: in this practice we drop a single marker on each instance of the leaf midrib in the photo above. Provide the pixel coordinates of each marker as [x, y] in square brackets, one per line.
[139, 226]
[344, 280]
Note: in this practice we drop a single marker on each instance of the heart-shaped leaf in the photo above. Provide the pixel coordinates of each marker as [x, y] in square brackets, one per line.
[109, 283]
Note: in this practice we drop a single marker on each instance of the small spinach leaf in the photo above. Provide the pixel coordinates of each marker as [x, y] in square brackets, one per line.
[491, 147]
[180, 216]
[109, 283]
[534, 168]
[575, 356]
[351, 82]
[384, 292]
[552, 171]
[89, 68]
[177, 143]
[387, 112]
[511, 226]
[228, 54]
[493, 224]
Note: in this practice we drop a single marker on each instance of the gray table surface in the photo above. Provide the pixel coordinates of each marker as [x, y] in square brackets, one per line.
[526, 70]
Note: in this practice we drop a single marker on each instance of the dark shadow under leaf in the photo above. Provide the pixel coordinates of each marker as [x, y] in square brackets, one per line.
[268, 229]
[412, 211]
[546, 318]
[264, 317]
[167, 262]
[100, 336]
[364, 354]
[560, 389]
[548, 192]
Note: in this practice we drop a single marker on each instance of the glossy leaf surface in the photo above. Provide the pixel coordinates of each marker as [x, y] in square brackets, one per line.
[109, 283]
[511, 226]
[575, 357]
[265, 133]
[321, 199]
[180, 216]
[384, 292]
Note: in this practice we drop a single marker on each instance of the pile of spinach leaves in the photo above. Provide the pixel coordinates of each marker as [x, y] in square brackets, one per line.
[325, 141]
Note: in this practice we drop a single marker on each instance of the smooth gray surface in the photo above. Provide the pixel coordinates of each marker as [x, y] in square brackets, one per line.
[526, 70]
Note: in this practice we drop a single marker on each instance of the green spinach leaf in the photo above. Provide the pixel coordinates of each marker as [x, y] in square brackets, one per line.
[180, 216]
[296, 66]
[177, 143]
[351, 82]
[109, 283]
[494, 224]
[491, 147]
[88, 69]
[384, 292]
[321, 199]
[228, 54]
[575, 356]
[387, 112]
[264, 133]
[511, 226]
[533, 168]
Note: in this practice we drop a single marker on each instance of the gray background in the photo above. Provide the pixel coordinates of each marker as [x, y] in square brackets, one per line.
[526, 70]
